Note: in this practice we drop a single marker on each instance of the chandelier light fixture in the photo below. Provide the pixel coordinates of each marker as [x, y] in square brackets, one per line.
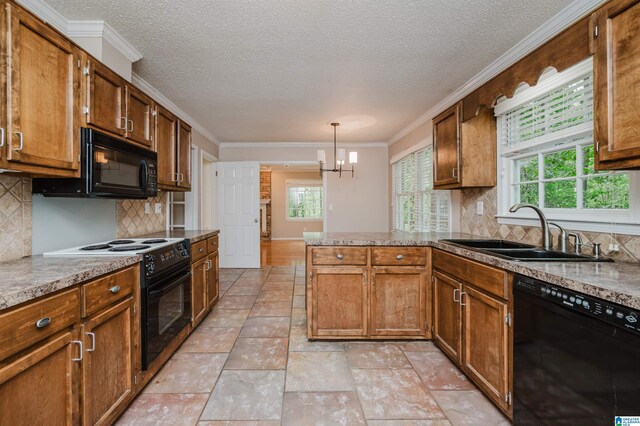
[339, 156]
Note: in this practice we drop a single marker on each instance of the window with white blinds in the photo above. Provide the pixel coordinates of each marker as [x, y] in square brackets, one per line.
[416, 206]
[546, 153]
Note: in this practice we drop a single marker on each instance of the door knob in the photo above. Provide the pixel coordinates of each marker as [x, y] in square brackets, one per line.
[255, 220]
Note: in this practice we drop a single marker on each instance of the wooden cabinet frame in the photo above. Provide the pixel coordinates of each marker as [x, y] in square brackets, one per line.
[99, 98]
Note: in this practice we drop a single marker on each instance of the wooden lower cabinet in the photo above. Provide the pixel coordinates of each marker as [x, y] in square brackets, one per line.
[446, 314]
[199, 278]
[107, 368]
[213, 289]
[40, 388]
[398, 303]
[486, 344]
[339, 302]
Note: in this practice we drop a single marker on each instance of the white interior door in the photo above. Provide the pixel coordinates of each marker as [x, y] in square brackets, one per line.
[239, 214]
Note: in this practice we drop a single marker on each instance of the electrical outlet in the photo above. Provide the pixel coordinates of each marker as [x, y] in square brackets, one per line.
[147, 208]
[158, 208]
[614, 247]
[480, 208]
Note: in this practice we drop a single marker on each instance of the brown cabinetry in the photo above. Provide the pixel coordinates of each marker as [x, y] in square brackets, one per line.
[472, 324]
[105, 93]
[139, 117]
[213, 290]
[616, 45]
[199, 277]
[184, 156]
[464, 154]
[166, 125]
[363, 292]
[205, 281]
[43, 102]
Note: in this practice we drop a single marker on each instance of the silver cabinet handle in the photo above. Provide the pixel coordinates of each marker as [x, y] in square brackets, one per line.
[181, 177]
[21, 138]
[208, 265]
[130, 129]
[340, 256]
[399, 257]
[1, 137]
[123, 124]
[93, 341]
[454, 173]
[43, 322]
[454, 295]
[200, 250]
[114, 289]
[462, 299]
[81, 351]
[177, 175]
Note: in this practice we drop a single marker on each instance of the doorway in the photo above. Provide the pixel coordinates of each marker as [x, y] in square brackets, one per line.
[209, 185]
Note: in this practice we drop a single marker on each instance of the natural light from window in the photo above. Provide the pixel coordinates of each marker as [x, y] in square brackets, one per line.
[304, 200]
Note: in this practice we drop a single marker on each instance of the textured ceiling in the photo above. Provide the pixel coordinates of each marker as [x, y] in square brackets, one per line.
[266, 70]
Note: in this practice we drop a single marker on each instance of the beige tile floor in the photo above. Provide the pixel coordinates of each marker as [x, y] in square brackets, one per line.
[250, 363]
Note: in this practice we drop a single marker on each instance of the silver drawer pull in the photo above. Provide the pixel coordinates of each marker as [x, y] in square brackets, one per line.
[114, 289]
[43, 322]
[200, 250]
[80, 350]
[462, 299]
[93, 342]
[399, 257]
[454, 295]
[340, 256]
[21, 139]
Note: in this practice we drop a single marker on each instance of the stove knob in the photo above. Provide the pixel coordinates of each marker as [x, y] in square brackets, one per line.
[632, 318]
[553, 292]
[609, 311]
[548, 291]
[565, 297]
[572, 299]
[619, 315]
[585, 303]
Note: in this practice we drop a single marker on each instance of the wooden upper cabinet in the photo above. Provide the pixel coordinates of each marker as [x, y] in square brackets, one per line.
[139, 117]
[40, 387]
[398, 305]
[44, 102]
[446, 314]
[617, 85]
[446, 146]
[184, 155]
[166, 126]
[107, 369]
[464, 153]
[105, 98]
[486, 345]
[339, 299]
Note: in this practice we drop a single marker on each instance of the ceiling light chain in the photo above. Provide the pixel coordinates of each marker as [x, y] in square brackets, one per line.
[338, 157]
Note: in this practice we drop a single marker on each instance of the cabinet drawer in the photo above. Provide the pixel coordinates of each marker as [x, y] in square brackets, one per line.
[107, 290]
[490, 279]
[198, 250]
[24, 326]
[212, 244]
[339, 256]
[399, 256]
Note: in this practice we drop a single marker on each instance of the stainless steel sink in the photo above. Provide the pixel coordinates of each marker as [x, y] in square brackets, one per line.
[523, 252]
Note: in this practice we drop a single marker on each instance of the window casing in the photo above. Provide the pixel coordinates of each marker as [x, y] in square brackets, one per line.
[416, 206]
[304, 200]
[545, 157]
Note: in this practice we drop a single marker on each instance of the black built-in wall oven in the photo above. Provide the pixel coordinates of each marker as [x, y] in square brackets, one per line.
[166, 298]
[110, 168]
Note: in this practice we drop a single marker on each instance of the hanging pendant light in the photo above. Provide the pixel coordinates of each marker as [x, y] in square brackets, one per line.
[339, 157]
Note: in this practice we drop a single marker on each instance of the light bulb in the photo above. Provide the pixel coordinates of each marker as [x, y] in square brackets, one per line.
[321, 156]
[353, 157]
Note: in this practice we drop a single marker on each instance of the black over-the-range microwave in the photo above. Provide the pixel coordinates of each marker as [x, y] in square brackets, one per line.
[110, 168]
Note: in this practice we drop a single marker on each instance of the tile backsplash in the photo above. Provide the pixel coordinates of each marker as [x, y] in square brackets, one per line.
[15, 217]
[131, 219]
[486, 225]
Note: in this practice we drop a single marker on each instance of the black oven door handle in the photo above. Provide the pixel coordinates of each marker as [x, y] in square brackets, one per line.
[144, 175]
[175, 283]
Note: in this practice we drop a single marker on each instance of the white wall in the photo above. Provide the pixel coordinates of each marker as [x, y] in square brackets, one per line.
[360, 204]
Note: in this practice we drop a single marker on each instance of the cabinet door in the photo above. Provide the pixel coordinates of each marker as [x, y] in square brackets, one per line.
[107, 369]
[199, 274]
[485, 343]
[139, 117]
[446, 314]
[339, 299]
[166, 139]
[212, 280]
[616, 83]
[446, 146]
[105, 98]
[40, 388]
[398, 306]
[184, 156]
[44, 105]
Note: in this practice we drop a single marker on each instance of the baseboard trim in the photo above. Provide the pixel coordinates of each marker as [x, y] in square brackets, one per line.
[287, 239]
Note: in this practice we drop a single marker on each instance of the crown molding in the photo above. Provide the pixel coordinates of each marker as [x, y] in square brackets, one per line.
[301, 145]
[48, 14]
[143, 85]
[101, 29]
[567, 16]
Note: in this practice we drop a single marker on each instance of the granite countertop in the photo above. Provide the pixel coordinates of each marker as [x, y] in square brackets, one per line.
[192, 235]
[616, 282]
[34, 276]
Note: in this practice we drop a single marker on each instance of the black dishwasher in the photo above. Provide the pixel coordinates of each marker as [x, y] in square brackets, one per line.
[576, 357]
